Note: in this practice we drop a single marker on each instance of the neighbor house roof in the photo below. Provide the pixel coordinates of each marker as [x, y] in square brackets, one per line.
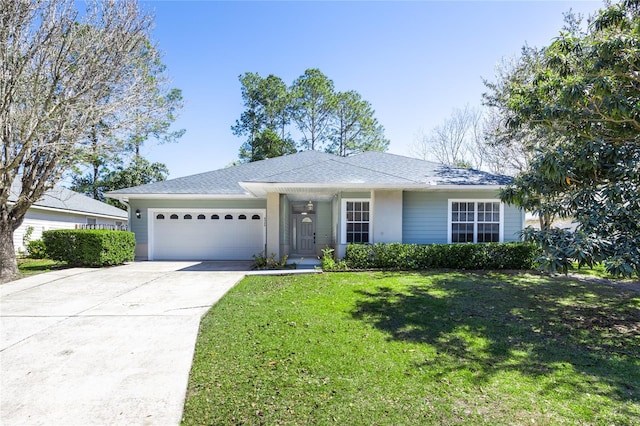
[59, 198]
[318, 169]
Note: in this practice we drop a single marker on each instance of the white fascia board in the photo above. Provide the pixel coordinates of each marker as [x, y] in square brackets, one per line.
[463, 187]
[128, 197]
[260, 189]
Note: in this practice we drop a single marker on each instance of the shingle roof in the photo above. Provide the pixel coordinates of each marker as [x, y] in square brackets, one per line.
[64, 199]
[313, 167]
[225, 181]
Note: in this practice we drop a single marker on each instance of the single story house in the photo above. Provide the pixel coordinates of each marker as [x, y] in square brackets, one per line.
[299, 204]
[61, 208]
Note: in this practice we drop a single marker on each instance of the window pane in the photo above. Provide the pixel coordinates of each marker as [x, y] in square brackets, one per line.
[488, 232]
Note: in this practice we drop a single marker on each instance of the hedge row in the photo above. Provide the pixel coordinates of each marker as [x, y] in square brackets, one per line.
[437, 256]
[81, 247]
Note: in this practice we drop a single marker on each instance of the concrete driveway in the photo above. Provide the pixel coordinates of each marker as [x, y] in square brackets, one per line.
[104, 346]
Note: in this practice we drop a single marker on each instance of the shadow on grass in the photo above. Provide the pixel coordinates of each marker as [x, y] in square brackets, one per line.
[492, 323]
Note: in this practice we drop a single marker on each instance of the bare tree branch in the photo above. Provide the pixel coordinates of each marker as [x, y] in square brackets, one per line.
[62, 73]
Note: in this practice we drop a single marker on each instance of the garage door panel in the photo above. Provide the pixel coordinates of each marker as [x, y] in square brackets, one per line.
[208, 239]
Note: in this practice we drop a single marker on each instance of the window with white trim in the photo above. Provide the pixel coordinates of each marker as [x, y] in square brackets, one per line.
[475, 221]
[356, 215]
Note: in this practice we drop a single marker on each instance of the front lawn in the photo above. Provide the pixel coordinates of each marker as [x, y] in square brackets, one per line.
[438, 348]
[27, 266]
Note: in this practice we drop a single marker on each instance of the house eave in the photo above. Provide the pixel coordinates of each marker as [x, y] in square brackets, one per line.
[128, 197]
[261, 189]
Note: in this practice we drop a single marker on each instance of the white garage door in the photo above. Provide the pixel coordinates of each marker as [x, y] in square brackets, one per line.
[206, 234]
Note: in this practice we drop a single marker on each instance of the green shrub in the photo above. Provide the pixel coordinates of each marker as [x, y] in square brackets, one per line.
[329, 262]
[36, 249]
[90, 247]
[270, 262]
[441, 256]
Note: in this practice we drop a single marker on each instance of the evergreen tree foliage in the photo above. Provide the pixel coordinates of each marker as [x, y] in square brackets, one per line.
[587, 89]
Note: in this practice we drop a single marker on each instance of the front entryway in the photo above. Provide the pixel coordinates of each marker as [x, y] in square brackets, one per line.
[305, 234]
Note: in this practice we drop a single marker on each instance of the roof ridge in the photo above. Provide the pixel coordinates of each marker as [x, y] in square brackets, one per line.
[381, 171]
[302, 166]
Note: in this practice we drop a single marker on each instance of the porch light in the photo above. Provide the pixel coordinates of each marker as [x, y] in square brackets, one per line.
[310, 206]
[138, 213]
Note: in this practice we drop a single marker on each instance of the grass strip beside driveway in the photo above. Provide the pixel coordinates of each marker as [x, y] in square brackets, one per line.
[418, 348]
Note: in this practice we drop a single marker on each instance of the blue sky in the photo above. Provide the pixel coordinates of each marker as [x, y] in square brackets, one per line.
[413, 61]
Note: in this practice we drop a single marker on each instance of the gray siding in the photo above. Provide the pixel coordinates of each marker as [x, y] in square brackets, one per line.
[323, 225]
[514, 218]
[425, 215]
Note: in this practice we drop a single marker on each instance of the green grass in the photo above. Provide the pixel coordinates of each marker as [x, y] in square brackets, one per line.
[28, 266]
[410, 348]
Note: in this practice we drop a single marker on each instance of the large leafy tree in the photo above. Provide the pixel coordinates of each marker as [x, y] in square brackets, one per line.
[265, 118]
[354, 128]
[138, 172]
[587, 88]
[62, 74]
[340, 123]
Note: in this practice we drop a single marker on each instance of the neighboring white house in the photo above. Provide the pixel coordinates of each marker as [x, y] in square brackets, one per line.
[61, 208]
[299, 204]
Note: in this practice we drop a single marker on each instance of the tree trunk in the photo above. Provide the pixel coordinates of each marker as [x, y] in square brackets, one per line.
[96, 176]
[8, 263]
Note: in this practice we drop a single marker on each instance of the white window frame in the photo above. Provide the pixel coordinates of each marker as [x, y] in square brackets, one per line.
[343, 215]
[92, 220]
[475, 219]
